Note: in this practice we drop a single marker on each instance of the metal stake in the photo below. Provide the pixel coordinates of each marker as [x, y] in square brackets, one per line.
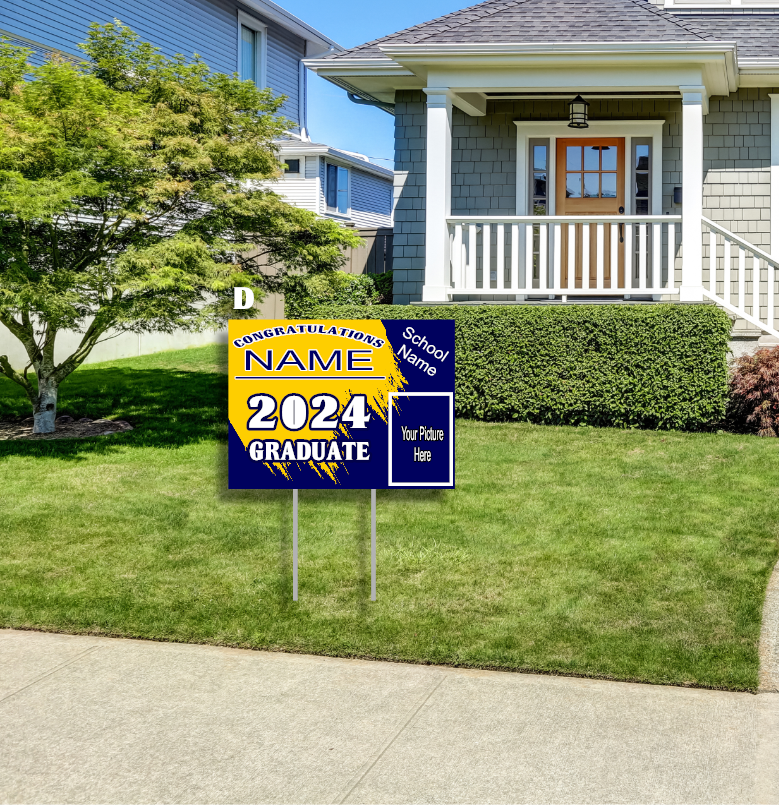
[373, 544]
[294, 544]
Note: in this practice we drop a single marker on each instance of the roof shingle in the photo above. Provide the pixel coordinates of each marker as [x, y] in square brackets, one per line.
[537, 21]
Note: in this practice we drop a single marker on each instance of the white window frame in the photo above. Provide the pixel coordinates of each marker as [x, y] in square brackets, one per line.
[554, 129]
[301, 171]
[261, 56]
[334, 210]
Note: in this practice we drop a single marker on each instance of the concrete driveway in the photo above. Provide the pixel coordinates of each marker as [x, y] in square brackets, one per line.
[86, 719]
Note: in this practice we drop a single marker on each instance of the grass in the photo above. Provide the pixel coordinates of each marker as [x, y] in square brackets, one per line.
[632, 555]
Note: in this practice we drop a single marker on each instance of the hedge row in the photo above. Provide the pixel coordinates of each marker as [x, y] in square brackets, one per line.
[645, 366]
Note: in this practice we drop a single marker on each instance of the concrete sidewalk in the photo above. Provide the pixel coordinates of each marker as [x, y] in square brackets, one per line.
[87, 719]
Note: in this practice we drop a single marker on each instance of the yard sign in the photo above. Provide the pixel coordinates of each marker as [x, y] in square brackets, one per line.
[341, 404]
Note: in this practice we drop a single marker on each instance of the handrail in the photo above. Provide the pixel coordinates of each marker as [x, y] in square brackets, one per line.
[745, 244]
[564, 219]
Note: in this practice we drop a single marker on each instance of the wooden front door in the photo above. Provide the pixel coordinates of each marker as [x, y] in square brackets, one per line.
[591, 181]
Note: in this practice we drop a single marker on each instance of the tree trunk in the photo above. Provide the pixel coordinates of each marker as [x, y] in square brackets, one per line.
[45, 406]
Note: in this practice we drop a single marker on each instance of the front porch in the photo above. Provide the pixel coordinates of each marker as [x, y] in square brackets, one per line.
[654, 241]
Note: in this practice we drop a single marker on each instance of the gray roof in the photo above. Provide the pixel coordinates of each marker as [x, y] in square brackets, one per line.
[756, 34]
[535, 21]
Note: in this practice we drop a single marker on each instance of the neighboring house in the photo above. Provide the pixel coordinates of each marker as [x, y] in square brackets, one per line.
[255, 38]
[508, 188]
[336, 184]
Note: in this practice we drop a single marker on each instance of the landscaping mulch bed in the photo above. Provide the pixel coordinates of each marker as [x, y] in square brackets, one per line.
[66, 428]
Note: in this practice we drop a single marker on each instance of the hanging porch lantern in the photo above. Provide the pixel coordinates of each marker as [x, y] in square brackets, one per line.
[578, 113]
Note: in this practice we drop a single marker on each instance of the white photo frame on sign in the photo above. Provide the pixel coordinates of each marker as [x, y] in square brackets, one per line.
[390, 407]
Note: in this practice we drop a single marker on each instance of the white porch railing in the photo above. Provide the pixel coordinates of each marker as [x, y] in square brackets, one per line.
[594, 255]
[740, 277]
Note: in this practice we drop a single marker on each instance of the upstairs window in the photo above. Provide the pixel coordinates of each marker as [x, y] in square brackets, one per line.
[251, 50]
[293, 166]
[337, 188]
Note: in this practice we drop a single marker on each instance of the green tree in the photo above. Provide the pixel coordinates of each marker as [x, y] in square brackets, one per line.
[129, 202]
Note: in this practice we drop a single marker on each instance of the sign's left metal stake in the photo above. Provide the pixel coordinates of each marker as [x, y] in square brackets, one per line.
[294, 544]
[373, 544]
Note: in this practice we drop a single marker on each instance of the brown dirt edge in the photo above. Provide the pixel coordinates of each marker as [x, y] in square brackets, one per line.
[375, 658]
[66, 427]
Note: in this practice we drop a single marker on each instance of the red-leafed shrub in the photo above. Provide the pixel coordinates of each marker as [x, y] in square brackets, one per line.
[754, 392]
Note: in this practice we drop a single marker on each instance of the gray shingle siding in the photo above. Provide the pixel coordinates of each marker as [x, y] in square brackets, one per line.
[408, 251]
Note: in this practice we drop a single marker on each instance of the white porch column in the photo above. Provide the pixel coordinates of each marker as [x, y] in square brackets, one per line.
[438, 199]
[694, 106]
[774, 175]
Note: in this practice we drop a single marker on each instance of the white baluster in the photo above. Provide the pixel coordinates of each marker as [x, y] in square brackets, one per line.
[712, 261]
[585, 255]
[756, 286]
[528, 256]
[642, 256]
[571, 256]
[558, 255]
[599, 256]
[514, 277]
[628, 244]
[671, 256]
[457, 249]
[486, 256]
[657, 256]
[614, 240]
[500, 259]
[742, 277]
[726, 272]
[543, 262]
[471, 283]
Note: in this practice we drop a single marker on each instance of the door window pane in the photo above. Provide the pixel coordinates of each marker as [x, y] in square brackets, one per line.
[642, 157]
[642, 185]
[573, 158]
[591, 158]
[608, 185]
[539, 157]
[573, 185]
[248, 54]
[539, 185]
[591, 185]
[608, 158]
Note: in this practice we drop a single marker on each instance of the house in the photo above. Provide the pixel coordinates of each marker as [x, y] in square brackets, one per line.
[336, 184]
[566, 151]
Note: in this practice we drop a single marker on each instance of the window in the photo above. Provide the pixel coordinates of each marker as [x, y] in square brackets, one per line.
[251, 49]
[590, 171]
[642, 154]
[337, 188]
[539, 173]
[293, 166]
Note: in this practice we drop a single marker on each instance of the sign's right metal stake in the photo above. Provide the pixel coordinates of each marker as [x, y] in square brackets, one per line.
[294, 544]
[373, 544]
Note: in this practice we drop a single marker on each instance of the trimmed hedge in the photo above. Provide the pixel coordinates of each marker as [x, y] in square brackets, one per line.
[645, 366]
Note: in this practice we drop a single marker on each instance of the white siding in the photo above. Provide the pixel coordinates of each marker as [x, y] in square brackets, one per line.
[371, 200]
[300, 192]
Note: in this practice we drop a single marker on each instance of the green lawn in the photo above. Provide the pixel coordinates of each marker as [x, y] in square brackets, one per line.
[624, 554]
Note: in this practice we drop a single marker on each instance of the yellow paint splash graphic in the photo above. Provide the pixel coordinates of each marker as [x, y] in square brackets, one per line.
[278, 358]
